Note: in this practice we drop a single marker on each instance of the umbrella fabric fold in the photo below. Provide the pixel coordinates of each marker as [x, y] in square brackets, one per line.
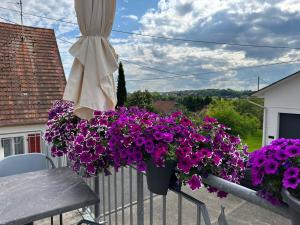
[91, 85]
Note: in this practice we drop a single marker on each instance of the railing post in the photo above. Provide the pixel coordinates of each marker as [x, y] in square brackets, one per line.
[140, 199]
[97, 205]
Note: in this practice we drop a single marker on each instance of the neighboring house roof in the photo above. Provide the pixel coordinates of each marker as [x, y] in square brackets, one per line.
[165, 106]
[262, 91]
[31, 74]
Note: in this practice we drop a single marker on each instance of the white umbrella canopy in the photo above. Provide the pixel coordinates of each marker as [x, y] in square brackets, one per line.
[91, 85]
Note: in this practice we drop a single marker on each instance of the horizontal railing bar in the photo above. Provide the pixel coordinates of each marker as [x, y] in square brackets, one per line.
[128, 205]
[188, 197]
[246, 194]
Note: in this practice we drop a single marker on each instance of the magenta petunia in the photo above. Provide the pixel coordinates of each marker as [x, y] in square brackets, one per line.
[85, 157]
[141, 167]
[291, 182]
[79, 139]
[280, 155]
[91, 169]
[222, 194]
[194, 182]
[291, 172]
[292, 151]
[271, 166]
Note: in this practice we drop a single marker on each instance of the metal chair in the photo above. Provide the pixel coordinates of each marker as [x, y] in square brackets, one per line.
[24, 163]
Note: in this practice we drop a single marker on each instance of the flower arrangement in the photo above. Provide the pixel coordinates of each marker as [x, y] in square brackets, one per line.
[214, 151]
[61, 128]
[276, 166]
[135, 136]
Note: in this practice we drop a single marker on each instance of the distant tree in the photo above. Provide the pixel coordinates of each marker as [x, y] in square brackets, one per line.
[195, 103]
[121, 89]
[142, 99]
[244, 107]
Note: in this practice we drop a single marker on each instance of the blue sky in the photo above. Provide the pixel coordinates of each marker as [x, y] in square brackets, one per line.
[258, 22]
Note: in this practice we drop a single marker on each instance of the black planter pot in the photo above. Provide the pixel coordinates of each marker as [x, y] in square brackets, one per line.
[158, 178]
[294, 206]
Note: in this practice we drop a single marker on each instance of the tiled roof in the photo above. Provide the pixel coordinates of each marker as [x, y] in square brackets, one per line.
[31, 74]
[165, 106]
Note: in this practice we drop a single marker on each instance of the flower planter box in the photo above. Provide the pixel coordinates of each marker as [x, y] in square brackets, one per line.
[247, 181]
[159, 178]
[294, 206]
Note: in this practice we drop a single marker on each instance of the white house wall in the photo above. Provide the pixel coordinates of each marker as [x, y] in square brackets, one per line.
[284, 98]
[14, 131]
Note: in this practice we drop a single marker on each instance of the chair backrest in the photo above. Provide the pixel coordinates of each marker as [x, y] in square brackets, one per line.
[24, 163]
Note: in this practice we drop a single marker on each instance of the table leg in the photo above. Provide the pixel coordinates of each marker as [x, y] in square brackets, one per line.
[51, 220]
[61, 219]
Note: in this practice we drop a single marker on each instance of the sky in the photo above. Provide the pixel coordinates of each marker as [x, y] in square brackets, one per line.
[186, 65]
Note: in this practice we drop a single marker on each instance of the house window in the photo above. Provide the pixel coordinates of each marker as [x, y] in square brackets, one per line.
[13, 145]
[34, 143]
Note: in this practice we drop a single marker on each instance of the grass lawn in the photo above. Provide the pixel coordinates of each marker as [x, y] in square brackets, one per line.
[254, 142]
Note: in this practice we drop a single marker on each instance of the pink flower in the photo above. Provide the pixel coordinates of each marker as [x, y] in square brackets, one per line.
[195, 182]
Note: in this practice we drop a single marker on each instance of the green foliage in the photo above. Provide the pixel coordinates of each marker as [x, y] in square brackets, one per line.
[121, 90]
[142, 99]
[244, 107]
[195, 103]
[240, 124]
[222, 93]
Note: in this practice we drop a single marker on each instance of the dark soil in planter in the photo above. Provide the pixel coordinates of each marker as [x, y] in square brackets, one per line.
[159, 178]
[247, 181]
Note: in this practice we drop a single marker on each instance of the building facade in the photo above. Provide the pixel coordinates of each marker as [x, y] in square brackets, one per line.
[31, 79]
[281, 108]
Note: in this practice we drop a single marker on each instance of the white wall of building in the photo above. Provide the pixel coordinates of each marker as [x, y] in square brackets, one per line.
[18, 131]
[282, 98]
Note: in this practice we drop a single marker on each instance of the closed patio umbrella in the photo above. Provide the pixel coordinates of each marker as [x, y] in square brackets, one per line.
[90, 85]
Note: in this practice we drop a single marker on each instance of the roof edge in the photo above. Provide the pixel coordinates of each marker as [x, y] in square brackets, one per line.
[261, 92]
[18, 25]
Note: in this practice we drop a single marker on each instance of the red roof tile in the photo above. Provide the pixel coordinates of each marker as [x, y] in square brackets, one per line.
[165, 106]
[31, 74]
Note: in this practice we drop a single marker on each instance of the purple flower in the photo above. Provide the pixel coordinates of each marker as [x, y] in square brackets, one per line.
[85, 157]
[222, 194]
[91, 169]
[168, 137]
[90, 142]
[149, 146]
[259, 160]
[291, 172]
[271, 166]
[212, 189]
[99, 150]
[78, 149]
[79, 139]
[292, 151]
[204, 152]
[141, 167]
[290, 182]
[158, 135]
[140, 141]
[194, 182]
[184, 165]
[280, 155]
[217, 160]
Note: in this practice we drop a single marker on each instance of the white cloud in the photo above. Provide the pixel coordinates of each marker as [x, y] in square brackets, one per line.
[132, 17]
[263, 22]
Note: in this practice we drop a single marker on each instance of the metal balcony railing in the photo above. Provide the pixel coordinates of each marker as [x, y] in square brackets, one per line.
[123, 195]
[125, 199]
